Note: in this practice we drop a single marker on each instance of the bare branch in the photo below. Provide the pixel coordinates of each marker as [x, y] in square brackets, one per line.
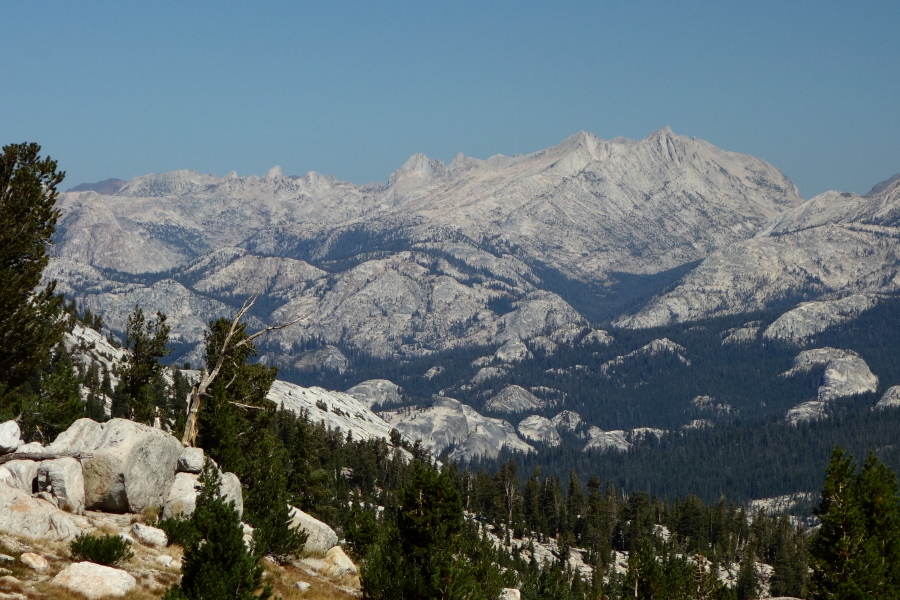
[41, 456]
[247, 405]
[207, 377]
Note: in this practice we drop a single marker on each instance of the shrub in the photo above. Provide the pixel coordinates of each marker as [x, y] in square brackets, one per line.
[179, 530]
[110, 550]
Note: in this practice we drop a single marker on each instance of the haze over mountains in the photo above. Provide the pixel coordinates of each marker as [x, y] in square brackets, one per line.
[477, 251]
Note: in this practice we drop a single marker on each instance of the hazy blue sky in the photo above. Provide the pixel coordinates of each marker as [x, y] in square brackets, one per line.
[352, 89]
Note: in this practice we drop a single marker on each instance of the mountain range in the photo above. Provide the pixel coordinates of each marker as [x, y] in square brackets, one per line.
[596, 296]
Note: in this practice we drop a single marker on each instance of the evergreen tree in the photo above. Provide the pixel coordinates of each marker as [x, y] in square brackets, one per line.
[141, 393]
[266, 500]
[854, 554]
[747, 585]
[425, 552]
[217, 564]
[58, 402]
[30, 318]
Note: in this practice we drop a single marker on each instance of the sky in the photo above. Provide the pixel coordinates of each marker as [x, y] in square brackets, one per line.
[352, 89]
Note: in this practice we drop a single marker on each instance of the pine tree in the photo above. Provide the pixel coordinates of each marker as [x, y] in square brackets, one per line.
[266, 502]
[141, 394]
[31, 322]
[855, 553]
[58, 402]
[217, 564]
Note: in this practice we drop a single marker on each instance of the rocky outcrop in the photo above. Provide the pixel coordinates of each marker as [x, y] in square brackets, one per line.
[813, 410]
[328, 358]
[339, 564]
[800, 324]
[320, 537]
[846, 373]
[598, 337]
[607, 440]
[708, 403]
[488, 373]
[742, 335]
[832, 246]
[567, 420]
[514, 399]
[513, 351]
[539, 429]
[336, 410]
[890, 398]
[619, 440]
[34, 561]
[132, 465]
[63, 479]
[95, 581]
[663, 346]
[449, 425]
[22, 474]
[22, 515]
[377, 391]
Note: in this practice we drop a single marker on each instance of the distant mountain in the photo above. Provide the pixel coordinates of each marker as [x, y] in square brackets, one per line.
[106, 187]
[444, 256]
[834, 245]
[880, 187]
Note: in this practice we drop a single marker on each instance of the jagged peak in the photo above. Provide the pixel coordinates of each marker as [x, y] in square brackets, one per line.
[461, 162]
[418, 167]
[663, 132]
[274, 173]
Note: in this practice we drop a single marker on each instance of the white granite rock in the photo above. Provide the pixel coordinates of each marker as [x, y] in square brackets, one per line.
[510, 594]
[449, 424]
[150, 536]
[22, 515]
[567, 420]
[890, 398]
[190, 460]
[798, 325]
[339, 564]
[377, 391]
[539, 429]
[513, 399]
[95, 581]
[322, 538]
[806, 411]
[513, 351]
[133, 465]
[607, 440]
[846, 373]
[23, 474]
[63, 478]
[165, 560]
[35, 562]
[9, 437]
[35, 447]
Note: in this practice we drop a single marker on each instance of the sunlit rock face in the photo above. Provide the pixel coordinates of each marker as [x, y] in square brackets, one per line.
[442, 256]
[456, 428]
[838, 248]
